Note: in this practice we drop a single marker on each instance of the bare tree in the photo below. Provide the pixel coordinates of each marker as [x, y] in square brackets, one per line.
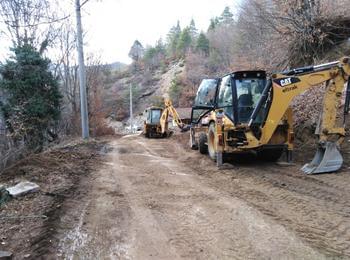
[304, 29]
[95, 78]
[66, 67]
[222, 43]
[258, 41]
[29, 21]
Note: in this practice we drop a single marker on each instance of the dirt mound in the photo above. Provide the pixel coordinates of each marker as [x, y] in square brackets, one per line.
[27, 224]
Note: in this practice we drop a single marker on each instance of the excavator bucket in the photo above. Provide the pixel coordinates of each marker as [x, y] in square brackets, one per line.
[326, 159]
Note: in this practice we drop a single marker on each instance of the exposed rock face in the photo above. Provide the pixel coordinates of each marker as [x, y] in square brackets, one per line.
[151, 87]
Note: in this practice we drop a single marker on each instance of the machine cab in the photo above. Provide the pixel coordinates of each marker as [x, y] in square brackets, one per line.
[153, 115]
[239, 94]
[236, 94]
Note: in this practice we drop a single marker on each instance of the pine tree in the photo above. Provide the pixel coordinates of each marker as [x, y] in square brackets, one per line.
[136, 51]
[155, 56]
[213, 23]
[193, 30]
[160, 46]
[202, 44]
[175, 91]
[226, 16]
[184, 42]
[32, 106]
[173, 38]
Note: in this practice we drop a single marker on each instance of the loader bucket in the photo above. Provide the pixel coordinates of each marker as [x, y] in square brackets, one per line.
[326, 159]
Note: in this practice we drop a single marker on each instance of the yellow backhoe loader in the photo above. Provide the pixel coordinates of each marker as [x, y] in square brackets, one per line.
[156, 123]
[248, 112]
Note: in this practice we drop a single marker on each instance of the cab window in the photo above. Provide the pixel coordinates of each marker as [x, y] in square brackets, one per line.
[225, 96]
[206, 93]
[249, 91]
[155, 116]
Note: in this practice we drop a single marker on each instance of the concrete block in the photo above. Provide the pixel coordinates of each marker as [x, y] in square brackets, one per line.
[22, 188]
[4, 255]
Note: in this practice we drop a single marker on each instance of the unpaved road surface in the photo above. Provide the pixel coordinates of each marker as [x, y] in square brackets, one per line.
[152, 199]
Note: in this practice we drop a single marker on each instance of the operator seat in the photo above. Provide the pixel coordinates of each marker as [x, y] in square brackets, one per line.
[245, 107]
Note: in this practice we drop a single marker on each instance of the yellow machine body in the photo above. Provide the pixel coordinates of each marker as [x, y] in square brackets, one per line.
[274, 134]
[157, 120]
[151, 126]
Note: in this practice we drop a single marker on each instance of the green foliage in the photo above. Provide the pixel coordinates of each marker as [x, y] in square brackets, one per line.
[202, 44]
[226, 16]
[172, 39]
[32, 104]
[150, 53]
[160, 46]
[136, 51]
[193, 30]
[179, 42]
[184, 42]
[155, 56]
[175, 91]
[213, 23]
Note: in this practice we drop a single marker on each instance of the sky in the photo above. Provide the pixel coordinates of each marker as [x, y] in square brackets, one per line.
[112, 26]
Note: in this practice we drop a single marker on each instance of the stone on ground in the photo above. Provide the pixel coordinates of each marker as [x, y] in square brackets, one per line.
[22, 188]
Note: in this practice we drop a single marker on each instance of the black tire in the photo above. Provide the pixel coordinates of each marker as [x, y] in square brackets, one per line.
[211, 140]
[202, 143]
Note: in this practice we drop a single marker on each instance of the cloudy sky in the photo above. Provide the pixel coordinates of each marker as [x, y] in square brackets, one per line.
[113, 25]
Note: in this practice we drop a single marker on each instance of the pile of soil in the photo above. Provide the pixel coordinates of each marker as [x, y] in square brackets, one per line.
[27, 223]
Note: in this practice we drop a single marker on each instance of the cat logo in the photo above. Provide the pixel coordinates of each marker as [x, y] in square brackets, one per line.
[285, 82]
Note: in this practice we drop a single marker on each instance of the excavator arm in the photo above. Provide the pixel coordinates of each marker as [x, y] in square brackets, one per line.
[170, 110]
[287, 85]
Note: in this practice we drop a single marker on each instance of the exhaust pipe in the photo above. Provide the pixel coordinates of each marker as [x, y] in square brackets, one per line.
[327, 159]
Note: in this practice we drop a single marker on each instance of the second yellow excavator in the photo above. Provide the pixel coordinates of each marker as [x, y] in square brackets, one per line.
[157, 123]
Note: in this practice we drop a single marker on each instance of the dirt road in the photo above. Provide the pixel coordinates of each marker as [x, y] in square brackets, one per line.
[153, 200]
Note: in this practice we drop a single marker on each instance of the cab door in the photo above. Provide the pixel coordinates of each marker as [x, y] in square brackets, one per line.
[225, 97]
[205, 100]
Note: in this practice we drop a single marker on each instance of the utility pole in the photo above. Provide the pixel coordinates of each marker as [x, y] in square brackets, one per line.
[82, 75]
[131, 117]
